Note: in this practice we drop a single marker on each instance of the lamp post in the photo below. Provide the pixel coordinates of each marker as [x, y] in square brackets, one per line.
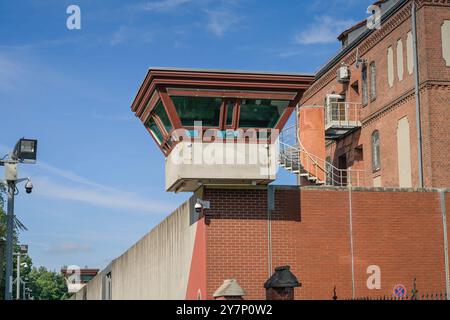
[22, 252]
[25, 151]
[27, 293]
[24, 288]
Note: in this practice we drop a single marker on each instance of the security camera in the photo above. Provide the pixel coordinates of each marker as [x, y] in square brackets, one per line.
[29, 186]
[198, 208]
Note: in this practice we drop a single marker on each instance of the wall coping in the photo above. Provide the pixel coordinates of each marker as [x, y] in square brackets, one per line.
[330, 188]
[373, 189]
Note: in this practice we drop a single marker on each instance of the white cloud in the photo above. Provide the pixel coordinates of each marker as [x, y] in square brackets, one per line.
[324, 30]
[220, 14]
[87, 191]
[116, 200]
[73, 177]
[112, 117]
[127, 34]
[288, 53]
[68, 248]
[10, 73]
[221, 20]
[4, 149]
[163, 5]
[81, 189]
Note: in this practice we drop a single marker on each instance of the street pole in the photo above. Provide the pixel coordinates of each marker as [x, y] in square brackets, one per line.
[9, 241]
[24, 152]
[18, 278]
[23, 290]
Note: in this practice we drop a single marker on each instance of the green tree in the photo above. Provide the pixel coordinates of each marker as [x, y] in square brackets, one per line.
[25, 269]
[47, 285]
[2, 242]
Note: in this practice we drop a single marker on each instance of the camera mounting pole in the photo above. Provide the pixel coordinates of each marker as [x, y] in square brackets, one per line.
[24, 152]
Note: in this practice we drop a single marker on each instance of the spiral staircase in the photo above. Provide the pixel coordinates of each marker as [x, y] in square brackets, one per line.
[294, 158]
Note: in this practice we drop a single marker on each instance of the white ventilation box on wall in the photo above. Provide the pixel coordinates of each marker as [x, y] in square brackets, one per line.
[343, 74]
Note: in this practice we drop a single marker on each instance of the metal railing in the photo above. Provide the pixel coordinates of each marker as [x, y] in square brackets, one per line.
[414, 295]
[295, 158]
[428, 296]
[342, 114]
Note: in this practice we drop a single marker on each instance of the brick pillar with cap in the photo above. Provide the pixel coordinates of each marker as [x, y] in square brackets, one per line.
[280, 286]
[229, 290]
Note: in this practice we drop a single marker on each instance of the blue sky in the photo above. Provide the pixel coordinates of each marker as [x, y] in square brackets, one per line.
[99, 181]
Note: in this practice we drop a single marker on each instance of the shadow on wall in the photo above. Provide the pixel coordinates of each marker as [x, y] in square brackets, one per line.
[254, 203]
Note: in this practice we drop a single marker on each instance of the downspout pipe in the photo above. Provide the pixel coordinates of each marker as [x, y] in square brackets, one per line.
[417, 93]
[445, 232]
[270, 208]
[297, 135]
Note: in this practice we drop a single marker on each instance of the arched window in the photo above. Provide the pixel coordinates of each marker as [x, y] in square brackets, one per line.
[376, 165]
[364, 89]
[373, 81]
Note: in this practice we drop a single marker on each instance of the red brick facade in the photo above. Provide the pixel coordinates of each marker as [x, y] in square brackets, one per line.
[396, 102]
[309, 230]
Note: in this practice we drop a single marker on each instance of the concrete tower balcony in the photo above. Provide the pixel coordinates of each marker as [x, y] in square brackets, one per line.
[217, 127]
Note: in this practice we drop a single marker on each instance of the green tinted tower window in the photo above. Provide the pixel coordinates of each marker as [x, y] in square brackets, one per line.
[191, 109]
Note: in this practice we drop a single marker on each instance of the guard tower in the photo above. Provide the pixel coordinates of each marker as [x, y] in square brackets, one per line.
[217, 127]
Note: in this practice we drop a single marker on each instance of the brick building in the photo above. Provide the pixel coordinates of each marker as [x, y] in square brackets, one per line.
[360, 223]
[370, 107]
[331, 237]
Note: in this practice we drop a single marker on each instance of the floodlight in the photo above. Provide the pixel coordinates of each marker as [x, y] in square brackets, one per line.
[23, 248]
[26, 149]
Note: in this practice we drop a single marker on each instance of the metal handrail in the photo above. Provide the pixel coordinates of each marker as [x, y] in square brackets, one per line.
[332, 174]
[342, 113]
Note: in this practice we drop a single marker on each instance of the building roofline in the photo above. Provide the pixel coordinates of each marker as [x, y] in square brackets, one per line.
[82, 271]
[270, 81]
[359, 24]
[354, 27]
[200, 70]
[334, 60]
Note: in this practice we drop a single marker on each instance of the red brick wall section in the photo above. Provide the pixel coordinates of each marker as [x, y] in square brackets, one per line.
[236, 239]
[312, 137]
[447, 205]
[401, 232]
[323, 243]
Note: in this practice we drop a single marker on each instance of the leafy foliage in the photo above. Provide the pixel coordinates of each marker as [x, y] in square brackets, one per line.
[2, 212]
[47, 285]
[2, 236]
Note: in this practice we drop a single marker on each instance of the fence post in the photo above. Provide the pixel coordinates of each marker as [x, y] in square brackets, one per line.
[414, 291]
[334, 294]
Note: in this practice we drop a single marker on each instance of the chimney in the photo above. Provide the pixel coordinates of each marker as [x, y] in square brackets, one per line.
[229, 290]
[281, 284]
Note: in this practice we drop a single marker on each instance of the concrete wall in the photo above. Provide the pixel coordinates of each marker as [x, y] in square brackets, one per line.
[157, 266]
[399, 230]
[225, 163]
[94, 289]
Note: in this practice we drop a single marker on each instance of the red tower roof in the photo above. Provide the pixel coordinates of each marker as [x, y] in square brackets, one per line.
[171, 99]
